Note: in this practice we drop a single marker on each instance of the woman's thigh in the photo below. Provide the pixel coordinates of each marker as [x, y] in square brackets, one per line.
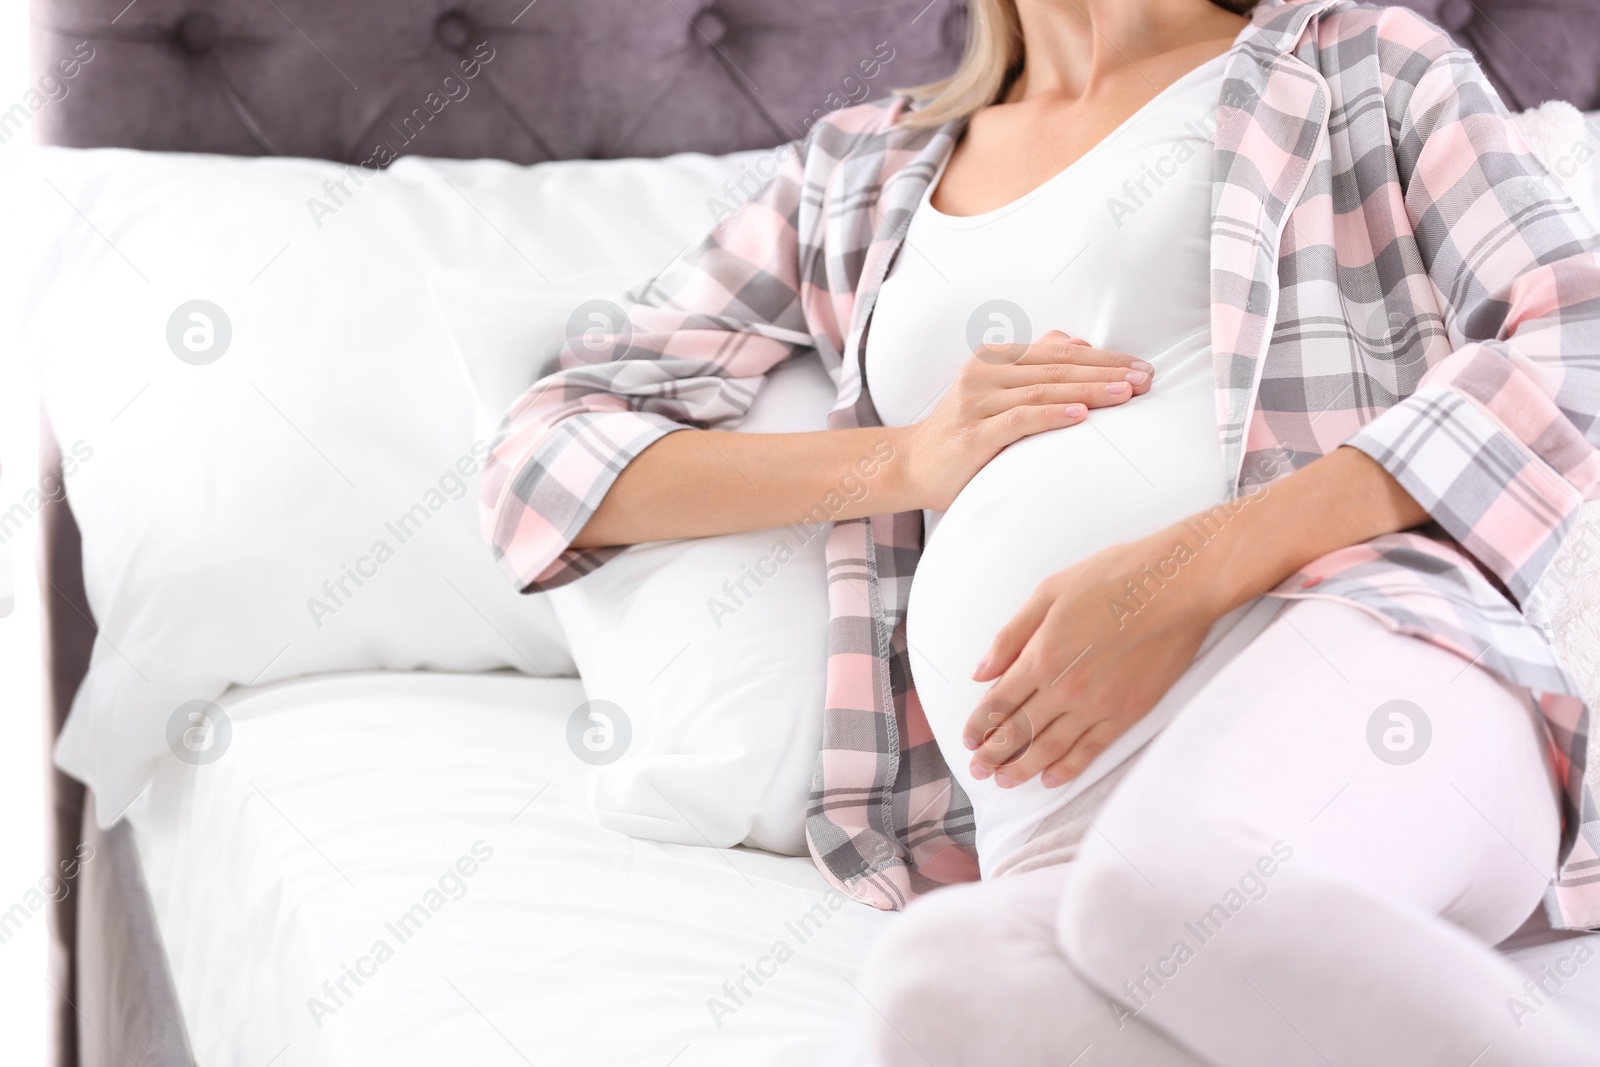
[1288, 847]
[1400, 767]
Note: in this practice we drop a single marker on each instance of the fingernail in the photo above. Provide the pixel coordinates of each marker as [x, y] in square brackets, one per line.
[1137, 377]
[1075, 411]
[982, 663]
[1050, 781]
[971, 743]
[1117, 388]
[1140, 364]
[1002, 780]
[979, 771]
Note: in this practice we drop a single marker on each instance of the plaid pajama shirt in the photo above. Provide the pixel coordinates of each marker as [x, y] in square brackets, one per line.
[1391, 269]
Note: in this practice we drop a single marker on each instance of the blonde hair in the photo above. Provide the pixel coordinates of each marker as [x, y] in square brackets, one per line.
[990, 62]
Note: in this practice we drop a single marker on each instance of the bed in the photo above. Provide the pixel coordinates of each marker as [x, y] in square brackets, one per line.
[470, 775]
[235, 917]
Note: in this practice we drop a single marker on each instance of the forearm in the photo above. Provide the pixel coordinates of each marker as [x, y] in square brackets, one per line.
[1343, 499]
[696, 483]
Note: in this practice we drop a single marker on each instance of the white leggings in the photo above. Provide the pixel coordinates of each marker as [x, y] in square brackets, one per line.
[1263, 889]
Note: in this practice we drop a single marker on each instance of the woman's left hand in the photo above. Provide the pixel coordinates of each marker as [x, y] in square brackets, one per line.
[1100, 643]
[1089, 654]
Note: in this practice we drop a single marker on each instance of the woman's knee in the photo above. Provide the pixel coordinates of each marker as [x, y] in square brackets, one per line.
[966, 971]
[934, 929]
[1130, 920]
[918, 977]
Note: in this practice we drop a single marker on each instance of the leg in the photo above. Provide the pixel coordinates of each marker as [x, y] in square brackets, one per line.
[971, 975]
[1271, 891]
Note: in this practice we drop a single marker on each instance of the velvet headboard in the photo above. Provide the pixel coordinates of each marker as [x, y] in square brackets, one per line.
[361, 81]
[560, 79]
[578, 79]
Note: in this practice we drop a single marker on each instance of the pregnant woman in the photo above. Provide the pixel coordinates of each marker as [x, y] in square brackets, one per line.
[1222, 381]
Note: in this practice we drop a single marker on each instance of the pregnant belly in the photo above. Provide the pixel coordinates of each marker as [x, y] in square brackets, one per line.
[1038, 507]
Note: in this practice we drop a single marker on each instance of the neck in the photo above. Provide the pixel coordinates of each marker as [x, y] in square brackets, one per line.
[1075, 46]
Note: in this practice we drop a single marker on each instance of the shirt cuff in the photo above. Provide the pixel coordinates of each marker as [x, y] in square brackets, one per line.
[556, 486]
[1483, 485]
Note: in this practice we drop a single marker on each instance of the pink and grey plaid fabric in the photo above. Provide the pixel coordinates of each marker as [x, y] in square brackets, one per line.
[1391, 269]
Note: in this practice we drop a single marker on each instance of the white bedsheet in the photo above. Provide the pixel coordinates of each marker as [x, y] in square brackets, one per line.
[337, 807]
[342, 800]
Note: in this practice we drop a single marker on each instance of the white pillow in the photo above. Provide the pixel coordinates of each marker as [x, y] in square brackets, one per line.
[705, 698]
[1568, 144]
[507, 332]
[715, 650]
[222, 495]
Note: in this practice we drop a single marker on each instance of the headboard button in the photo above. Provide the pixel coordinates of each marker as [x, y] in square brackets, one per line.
[711, 28]
[197, 33]
[1455, 15]
[453, 30]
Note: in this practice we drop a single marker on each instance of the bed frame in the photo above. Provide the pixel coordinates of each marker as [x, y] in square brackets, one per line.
[573, 79]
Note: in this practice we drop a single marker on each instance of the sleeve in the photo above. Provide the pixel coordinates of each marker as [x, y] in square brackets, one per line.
[690, 350]
[1498, 442]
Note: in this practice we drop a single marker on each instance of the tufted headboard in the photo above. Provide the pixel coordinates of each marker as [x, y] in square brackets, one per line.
[559, 79]
[577, 79]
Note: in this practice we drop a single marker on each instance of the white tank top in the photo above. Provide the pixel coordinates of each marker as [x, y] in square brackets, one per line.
[1116, 250]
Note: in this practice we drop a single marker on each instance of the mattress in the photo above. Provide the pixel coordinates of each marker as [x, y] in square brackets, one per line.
[400, 868]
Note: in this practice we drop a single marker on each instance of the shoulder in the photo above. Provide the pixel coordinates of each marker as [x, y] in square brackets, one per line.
[869, 132]
[1343, 33]
[1401, 40]
[872, 117]
[1361, 51]
[1390, 27]
[1370, 52]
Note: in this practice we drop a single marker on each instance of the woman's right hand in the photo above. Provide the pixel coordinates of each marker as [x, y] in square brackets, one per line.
[1004, 393]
